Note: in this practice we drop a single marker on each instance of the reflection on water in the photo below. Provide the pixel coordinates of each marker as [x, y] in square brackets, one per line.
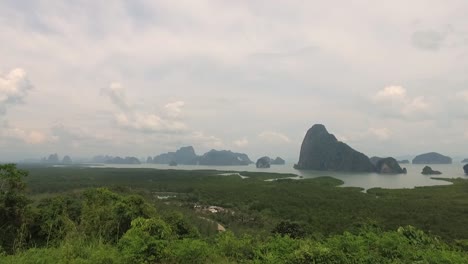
[364, 180]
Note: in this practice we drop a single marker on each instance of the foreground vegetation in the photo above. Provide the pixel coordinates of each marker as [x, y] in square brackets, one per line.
[102, 215]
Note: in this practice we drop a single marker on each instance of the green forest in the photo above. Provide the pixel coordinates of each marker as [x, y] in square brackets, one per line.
[106, 215]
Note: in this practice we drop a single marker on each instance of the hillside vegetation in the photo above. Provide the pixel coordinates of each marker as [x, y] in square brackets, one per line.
[102, 215]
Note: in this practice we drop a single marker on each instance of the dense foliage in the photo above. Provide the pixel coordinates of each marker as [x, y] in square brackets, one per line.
[90, 215]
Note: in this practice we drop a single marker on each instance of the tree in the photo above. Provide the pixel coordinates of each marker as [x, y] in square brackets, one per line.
[294, 230]
[108, 215]
[145, 241]
[13, 207]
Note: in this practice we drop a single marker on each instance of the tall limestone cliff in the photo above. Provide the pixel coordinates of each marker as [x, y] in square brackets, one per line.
[321, 150]
[184, 155]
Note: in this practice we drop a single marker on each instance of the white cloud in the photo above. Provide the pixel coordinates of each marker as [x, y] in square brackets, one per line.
[241, 142]
[116, 93]
[14, 87]
[418, 104]
[174, 109]
[273, 137]
[392, 92]
[130, 118]
[149, 123]
[28, 136]
[394, 100]
[381, 133]
[205, 141]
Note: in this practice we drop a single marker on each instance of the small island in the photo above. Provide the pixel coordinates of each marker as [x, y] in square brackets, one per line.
[432, 158]
[465, 161]
[429, 171]
[263, 162]
[277, 161]
[389, 166]
[465, 168]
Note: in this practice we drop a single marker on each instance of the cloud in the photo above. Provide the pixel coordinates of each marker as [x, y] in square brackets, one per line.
[241, 142]
[428, 39]
[14, 87]
[149, 123]
[463, 95]
[392, 92]
[418, 104]
[205, 140]
[116, 93]
[381, 133]
[393, 100]
[174, 109]
[34, 137]
[130, 118]
[273, 137]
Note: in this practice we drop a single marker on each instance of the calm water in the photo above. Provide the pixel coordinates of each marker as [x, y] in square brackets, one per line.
[364, 180]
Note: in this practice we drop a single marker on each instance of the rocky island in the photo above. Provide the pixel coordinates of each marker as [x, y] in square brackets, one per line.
[429, 171]
[187, 156]
[223, 158]
[277, 161]
[67, 160]
[115, 160]
[321, 150]
[465, 168]
[184, 155]
[263, 162]
[432, 158]
[389, 166]
[465, 161]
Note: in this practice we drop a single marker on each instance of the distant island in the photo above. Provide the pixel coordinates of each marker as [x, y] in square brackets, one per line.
[465, 168]
[187, 156]
[115, 160]
[55, 159]
[67, 160]
[184, 155]
[224, 158]
[277, 161]
[432, 158]
[465, 161]
[263, 162]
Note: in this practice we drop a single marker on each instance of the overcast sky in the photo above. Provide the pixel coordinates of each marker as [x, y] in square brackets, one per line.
[144, 77]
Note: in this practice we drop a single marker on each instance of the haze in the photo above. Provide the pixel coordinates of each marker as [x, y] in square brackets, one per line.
[144, 77]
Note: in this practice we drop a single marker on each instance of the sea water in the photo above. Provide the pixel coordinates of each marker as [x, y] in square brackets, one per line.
[412, 179]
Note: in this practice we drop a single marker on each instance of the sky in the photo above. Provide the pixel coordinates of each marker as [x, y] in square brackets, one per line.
[139, 78]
